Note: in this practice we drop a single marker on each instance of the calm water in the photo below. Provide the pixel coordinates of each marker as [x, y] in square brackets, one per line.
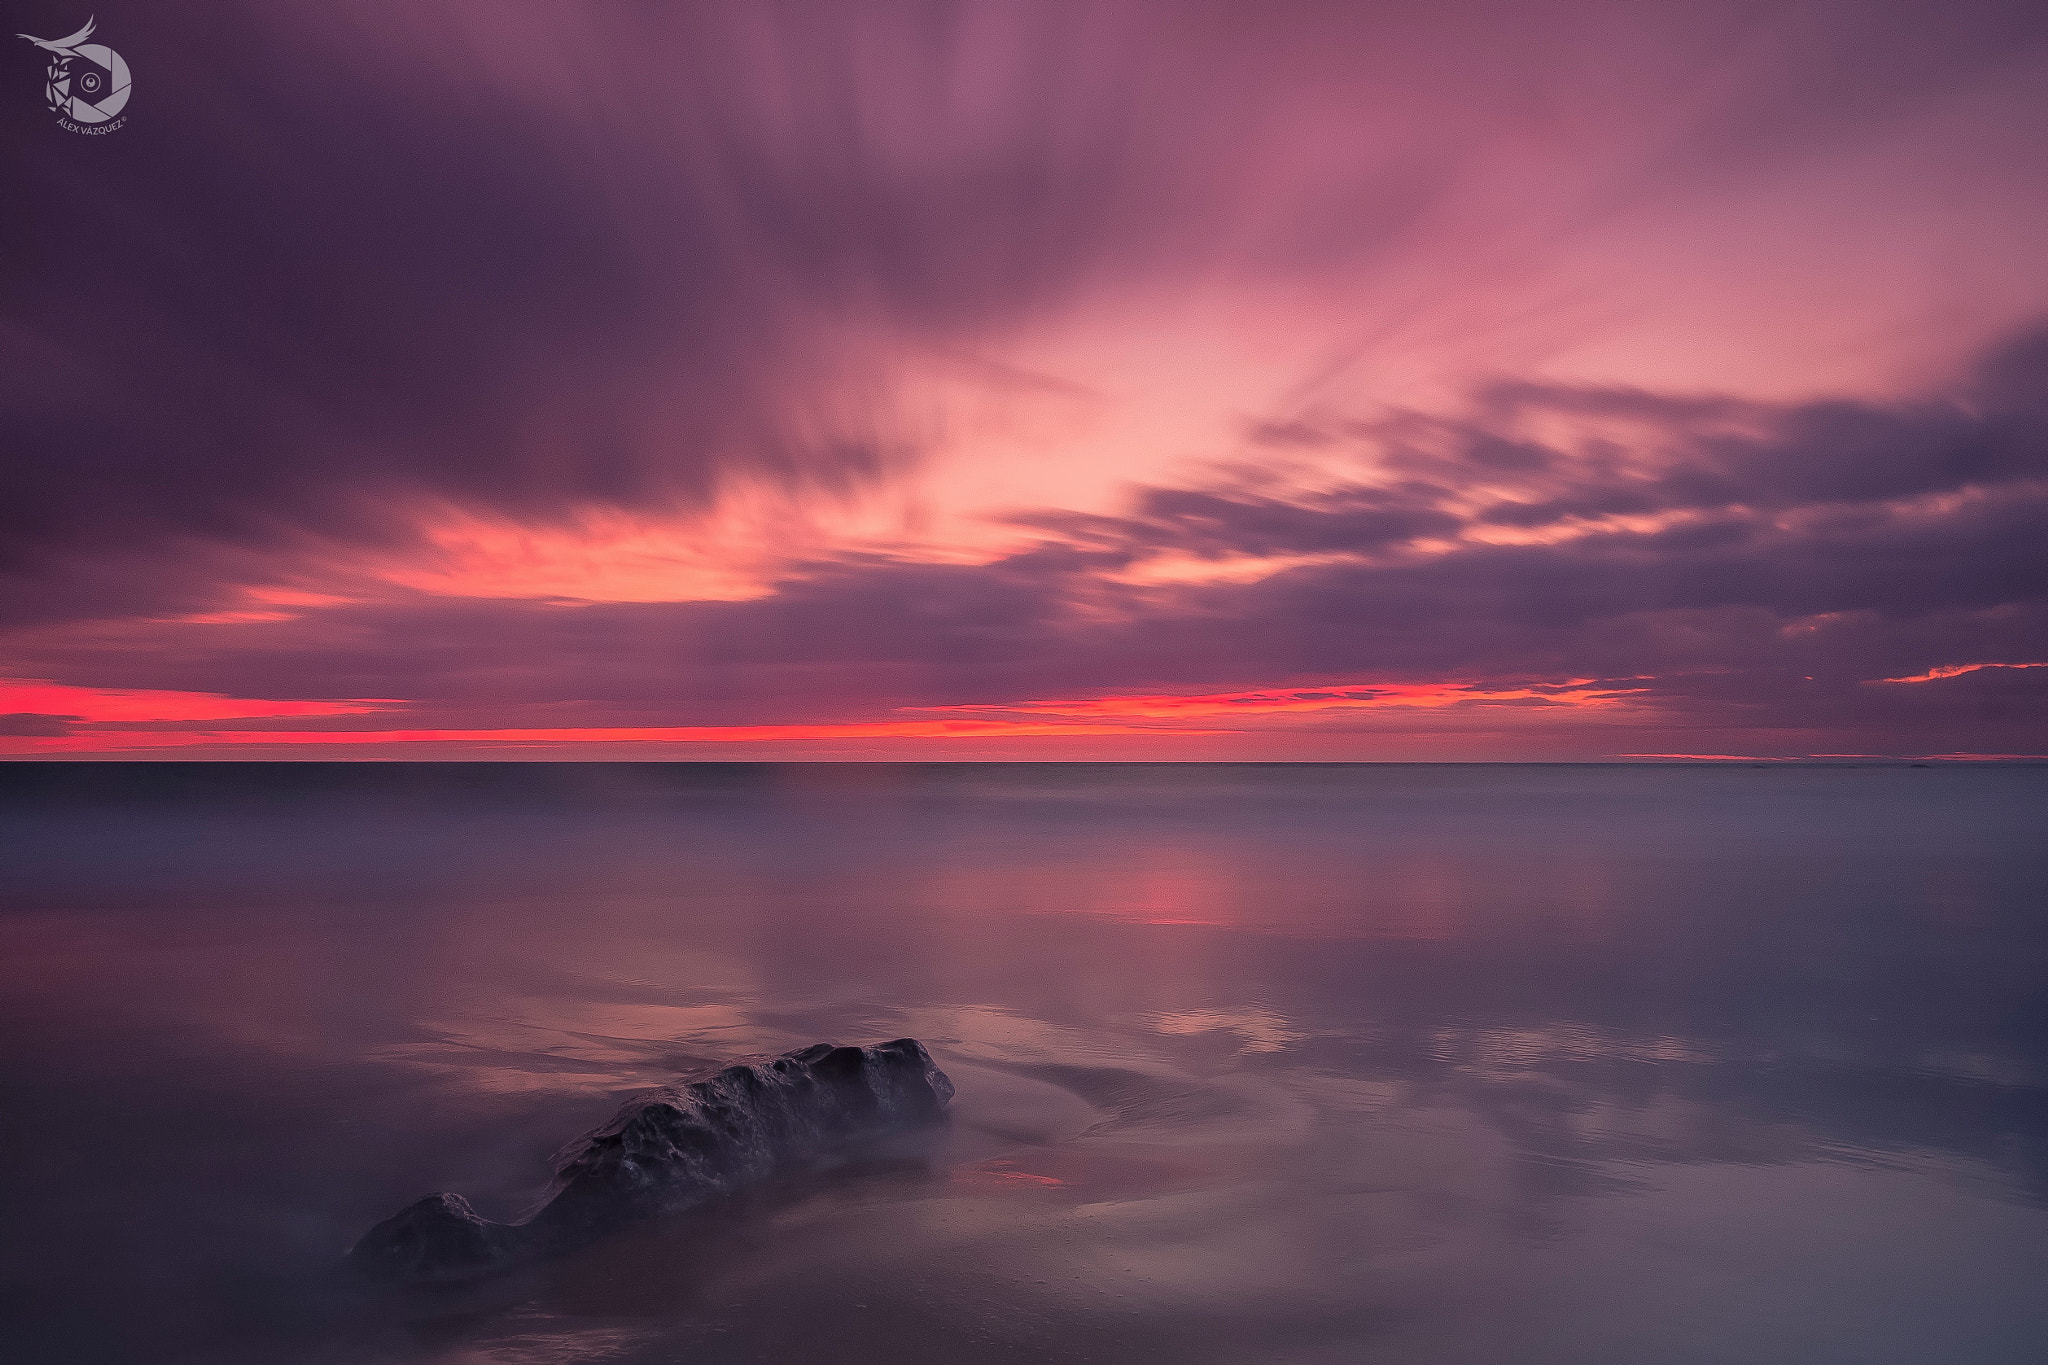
[1418, 1064]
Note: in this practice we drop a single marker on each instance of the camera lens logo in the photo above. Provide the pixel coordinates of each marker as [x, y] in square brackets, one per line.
[88, 83]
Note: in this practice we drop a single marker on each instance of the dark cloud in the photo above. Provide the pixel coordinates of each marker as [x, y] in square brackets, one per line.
[537, 257]
[357, 258]
[32, 725]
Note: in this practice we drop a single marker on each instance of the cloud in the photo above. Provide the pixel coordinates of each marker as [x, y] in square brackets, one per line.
[531, 260]
[131, 705]
[644, 369]
[31, 725]
[1954, 671]
[1316, 701]
[1732, 604]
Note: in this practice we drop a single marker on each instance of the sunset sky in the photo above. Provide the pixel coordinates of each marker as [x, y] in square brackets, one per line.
[1167, 380]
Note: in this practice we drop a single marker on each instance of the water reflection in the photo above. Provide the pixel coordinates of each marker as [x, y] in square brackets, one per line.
[1290, 1064]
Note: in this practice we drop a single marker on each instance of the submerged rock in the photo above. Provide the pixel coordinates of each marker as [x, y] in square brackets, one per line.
[671, 1149]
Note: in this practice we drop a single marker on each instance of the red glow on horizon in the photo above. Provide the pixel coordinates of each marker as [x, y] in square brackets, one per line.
[1741, 758]
[108, 722]
[116, 741]
[1822, 758]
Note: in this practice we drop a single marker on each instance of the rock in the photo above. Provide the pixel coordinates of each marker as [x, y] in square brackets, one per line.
[438, 1238]
[671, 1149]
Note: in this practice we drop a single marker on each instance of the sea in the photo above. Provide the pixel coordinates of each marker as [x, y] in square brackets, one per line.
[1291, 1063]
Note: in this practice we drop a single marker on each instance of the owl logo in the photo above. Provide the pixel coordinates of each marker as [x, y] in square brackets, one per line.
[88, 82]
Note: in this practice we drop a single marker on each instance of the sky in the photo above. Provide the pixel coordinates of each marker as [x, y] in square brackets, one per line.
[1165, 380]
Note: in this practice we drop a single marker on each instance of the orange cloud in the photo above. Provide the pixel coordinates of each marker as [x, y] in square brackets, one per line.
[1953, 671]
[99, 704]
[1578, 692]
